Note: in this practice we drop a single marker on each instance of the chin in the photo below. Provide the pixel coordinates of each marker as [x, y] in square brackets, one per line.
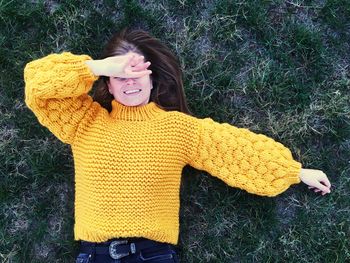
[133, 104]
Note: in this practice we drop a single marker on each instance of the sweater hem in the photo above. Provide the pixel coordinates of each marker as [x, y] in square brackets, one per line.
[82, 233]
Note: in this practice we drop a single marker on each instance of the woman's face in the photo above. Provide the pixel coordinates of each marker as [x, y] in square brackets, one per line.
[131, 91]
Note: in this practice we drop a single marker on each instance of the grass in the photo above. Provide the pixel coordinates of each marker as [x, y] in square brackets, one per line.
[280, 68]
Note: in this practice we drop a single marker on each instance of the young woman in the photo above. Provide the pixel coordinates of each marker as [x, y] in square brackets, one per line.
[131, 142]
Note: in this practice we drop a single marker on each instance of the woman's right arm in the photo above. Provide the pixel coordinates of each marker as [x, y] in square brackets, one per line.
[56, 88]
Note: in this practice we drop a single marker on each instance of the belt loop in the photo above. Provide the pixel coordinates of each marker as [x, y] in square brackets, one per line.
[133, 248]
[93, 252]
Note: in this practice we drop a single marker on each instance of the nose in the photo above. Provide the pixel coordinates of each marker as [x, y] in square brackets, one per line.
[129, 81]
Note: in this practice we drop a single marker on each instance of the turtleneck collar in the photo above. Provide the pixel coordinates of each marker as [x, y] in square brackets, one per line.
[135, 113]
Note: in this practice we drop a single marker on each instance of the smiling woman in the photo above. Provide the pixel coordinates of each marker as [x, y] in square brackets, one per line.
[163, 85]
[129, 82]
[128, 161]
[132, 91]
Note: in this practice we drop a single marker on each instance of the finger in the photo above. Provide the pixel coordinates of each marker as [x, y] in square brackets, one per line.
[142, 73]
[323, 193]
[141, 66]
[132, 60]
[322, 187]
[137, 74]
[136, 60]
[326, 182]
[130, 70]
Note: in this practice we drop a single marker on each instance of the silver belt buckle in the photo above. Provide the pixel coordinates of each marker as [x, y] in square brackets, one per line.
[113, 251]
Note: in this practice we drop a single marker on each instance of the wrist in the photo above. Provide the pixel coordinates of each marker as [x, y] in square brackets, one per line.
[95, 66]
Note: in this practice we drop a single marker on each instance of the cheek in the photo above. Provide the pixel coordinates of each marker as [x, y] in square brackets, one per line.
[145, 81]
[113, 85]
[146, 84]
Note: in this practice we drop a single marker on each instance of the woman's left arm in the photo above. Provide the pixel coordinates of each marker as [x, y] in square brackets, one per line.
[313, 178]
[249, 161]
[243, 159]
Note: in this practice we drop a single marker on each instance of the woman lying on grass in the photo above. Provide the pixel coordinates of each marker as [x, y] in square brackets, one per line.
[131, 142]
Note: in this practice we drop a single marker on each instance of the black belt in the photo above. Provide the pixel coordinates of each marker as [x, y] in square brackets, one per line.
[118, 248]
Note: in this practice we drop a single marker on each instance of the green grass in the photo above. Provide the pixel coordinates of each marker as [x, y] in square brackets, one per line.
[280, 68]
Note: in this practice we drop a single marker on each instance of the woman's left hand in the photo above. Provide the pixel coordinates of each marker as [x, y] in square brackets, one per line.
[313, 178]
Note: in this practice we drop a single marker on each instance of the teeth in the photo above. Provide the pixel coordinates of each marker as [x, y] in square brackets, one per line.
[132, 91]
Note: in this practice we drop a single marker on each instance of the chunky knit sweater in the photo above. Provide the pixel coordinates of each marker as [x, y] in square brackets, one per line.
[128, 162]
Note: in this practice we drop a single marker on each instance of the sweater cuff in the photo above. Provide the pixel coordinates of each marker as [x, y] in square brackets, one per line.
[79, 65]
[294, 170]
[85, 72]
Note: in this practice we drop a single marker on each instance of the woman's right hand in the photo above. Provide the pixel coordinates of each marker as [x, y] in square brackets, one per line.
[123, 66]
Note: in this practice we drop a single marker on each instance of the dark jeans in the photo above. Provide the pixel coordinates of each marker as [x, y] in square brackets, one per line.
[155, 252]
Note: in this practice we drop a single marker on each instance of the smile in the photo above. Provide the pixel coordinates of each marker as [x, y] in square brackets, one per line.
[131, 92]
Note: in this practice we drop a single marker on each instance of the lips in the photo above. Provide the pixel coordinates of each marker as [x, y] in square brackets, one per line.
[132, 92]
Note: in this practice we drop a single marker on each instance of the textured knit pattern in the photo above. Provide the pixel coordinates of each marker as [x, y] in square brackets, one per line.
[128, 163]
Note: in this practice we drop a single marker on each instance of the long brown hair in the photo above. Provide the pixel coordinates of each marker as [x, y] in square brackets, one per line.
[168, 91]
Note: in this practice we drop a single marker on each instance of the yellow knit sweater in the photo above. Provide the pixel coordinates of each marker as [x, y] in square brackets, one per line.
[128, 163]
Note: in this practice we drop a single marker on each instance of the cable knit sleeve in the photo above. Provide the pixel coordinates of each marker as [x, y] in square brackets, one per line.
[243, 159]
[56, 88]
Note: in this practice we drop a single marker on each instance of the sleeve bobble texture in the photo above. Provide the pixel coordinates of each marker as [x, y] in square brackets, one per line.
[56, 88]
[243, 159]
